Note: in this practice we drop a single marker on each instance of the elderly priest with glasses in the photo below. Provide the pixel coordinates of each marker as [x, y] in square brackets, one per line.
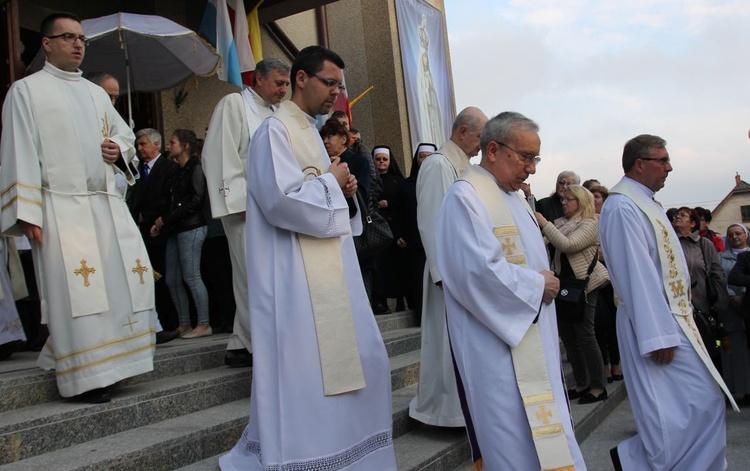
[62, 143]
[501, 319]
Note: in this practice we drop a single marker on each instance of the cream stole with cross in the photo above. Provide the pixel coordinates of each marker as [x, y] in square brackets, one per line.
[676, 283]
[340, 363]
[70, 198]
[529, 363]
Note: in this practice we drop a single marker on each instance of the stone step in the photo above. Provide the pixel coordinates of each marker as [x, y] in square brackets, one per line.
[58, 424]
[23, 384]
[54, 425]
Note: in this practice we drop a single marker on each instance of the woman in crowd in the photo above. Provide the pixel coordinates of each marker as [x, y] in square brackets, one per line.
[415, 256]
[575, 237]
[735, 356]
[704, 268]
[186, 227]
[391, 266]
[606, 311]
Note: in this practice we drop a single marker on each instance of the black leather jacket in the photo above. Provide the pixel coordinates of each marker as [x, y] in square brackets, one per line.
[186, 192]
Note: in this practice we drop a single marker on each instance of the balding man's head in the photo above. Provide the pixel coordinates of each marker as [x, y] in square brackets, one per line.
[467, 128]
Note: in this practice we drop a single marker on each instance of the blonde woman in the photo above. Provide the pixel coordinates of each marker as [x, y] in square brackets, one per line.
[576, 240]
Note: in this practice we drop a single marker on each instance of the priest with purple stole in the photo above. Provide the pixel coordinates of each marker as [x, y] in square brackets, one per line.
[499, 294]
[62, 145]
[673, 386]
[321, 390]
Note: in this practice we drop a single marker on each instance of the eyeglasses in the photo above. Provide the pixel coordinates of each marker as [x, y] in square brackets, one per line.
[569, 199]
[526, 157]
[71, 38]
[663, 161]
[114, 98]
[330, 83]
[679, 215]
[381, 159]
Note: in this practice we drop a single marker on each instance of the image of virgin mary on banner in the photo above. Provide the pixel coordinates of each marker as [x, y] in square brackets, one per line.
[429, 95]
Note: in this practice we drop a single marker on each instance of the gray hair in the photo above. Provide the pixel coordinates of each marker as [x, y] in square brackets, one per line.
[502, 128]
[98, 77]
[264, 67]
[569, 173]
[640, 148]
[151, 134]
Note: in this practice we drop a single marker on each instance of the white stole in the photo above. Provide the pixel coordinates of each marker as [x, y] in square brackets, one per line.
[674, 279]
[340, 363]
[70, 198]
[254, 118]
[529, 363]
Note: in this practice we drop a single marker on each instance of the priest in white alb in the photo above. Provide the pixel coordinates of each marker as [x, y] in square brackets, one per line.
[437, 401]
[321, 391]
[673, 386]
[499, 295]
[224, 160]
[62, 143]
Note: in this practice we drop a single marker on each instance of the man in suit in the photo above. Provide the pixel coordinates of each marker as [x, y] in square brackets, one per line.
[147, 201]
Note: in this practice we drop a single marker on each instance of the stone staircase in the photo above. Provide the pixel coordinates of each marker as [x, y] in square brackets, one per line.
[191, 409]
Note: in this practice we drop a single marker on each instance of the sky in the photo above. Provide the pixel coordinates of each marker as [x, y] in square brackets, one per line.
[594, 74]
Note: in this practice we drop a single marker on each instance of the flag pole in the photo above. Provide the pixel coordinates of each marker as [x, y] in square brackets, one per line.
[359, 97]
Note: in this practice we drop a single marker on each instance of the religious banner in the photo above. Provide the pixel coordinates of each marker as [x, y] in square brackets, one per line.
[424, 58]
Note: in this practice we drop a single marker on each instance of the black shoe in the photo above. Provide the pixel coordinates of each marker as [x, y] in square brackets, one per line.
[166, 336]
[239, 358]
[589, 398]
[573, 394]
[8, 349]
[95, 396]
[381, 309]
[610, 379]
[617, 377]
[615, 456]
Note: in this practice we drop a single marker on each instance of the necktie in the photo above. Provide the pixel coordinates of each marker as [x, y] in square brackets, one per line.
[143, 169]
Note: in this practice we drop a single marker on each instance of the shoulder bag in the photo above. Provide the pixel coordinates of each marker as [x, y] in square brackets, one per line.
[376, 233]
[570, 302]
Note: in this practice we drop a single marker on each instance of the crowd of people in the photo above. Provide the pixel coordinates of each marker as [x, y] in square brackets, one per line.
[270, 207]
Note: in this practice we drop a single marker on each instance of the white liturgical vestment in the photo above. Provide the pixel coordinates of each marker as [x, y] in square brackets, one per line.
[437, 401]
[224, 160]
[491, 304]
[678, 407]
[95, 279]
[293, 424]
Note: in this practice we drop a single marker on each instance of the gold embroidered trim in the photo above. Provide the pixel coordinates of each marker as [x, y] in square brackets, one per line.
[538, 399]
[547, 431]
[103, 345]
[21, 184]
[505, 230]
[516, 259]
[85, 366]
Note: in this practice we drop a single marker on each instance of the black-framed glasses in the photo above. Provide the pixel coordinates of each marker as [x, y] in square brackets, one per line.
[114, 98]
[527, 157]
[330, 83]
[663, 161]
[71, 38]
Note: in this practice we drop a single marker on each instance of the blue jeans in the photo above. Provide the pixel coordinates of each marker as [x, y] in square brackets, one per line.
[183, 262]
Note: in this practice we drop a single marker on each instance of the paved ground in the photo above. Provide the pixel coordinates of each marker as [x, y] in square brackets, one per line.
[619, 425]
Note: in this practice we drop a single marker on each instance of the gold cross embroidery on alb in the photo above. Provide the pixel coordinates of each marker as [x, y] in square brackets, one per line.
[130, 324]
[140, 269]
[84, 271]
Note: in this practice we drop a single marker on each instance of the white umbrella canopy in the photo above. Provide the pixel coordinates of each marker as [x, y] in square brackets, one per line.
[147, 53]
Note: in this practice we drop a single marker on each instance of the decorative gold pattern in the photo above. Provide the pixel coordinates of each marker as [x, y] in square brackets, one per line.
[84, 271]
[130, 324]
[105, 127]
[311, 172]
[677, 288]
[538, 399]
[544, 414]
[508, 246]
[547, 431]
[140, 269]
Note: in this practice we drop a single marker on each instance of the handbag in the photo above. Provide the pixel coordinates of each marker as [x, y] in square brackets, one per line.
[376, 233]
[570, 302]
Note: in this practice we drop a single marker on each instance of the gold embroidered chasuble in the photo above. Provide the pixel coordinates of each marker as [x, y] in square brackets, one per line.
[539, 403]
[674, 278]
[341, 364]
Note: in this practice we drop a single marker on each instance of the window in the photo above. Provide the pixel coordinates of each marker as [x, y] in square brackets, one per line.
[745, 210]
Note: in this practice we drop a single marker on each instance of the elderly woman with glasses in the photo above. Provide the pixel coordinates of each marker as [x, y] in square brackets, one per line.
[575, 238]
[708, 284]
